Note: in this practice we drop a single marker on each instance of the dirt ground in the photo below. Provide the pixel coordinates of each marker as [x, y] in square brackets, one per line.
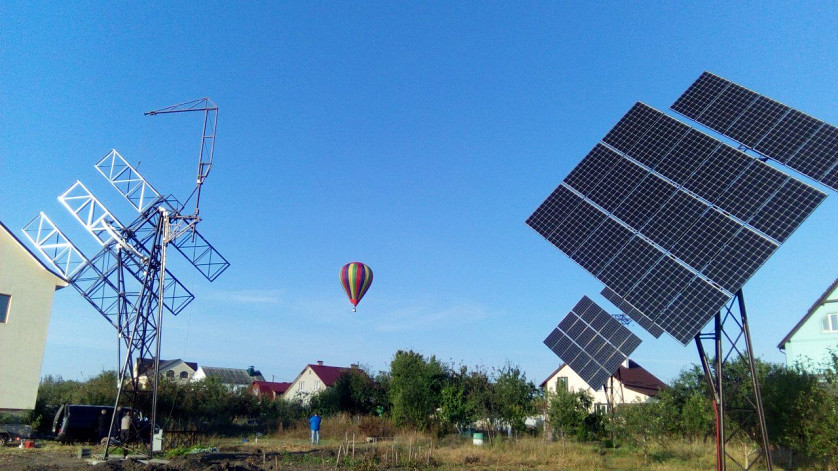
[253, 459]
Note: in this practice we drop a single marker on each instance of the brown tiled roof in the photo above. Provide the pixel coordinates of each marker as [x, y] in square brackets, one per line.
[328, 374]
[636, 378]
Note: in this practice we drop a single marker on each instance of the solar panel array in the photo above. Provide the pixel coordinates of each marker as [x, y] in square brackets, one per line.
[591, 342]
[671, 220]
[773, 129]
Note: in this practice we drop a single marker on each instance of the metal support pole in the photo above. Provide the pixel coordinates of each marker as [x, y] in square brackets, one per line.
[715, 380]
[720, 406]
[755, 383]
[164, 241]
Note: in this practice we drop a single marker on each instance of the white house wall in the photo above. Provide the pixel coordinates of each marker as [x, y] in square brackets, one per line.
[304, 386]
[24, 334]
[622, 395]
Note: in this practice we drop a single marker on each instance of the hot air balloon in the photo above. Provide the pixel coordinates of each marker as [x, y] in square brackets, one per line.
[356, 279]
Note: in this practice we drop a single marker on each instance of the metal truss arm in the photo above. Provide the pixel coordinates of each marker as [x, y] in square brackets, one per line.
[127, 181]
[207, 137]
[54, 246]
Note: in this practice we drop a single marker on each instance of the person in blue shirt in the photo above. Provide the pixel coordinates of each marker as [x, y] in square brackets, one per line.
[314, 422]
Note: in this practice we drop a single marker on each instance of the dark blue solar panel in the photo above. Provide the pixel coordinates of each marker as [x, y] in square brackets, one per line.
[717, 173]
[658, 141]
[602, 245]
[632, 312]
[620, 181]
[632, 127]
[691, 310]
[712, 231]
[553, 211]
[687, 156]
[676, 214]
[675, 218]
[730, 105]
[576, 228]
[778, 132]
[589, 340]
[784, 139]
[657, 288]
[644, 201]
[739, 259]
[787, 209]
[700, 95]
[757, 121]
[630, 265]
[751, 190]
[593, 168]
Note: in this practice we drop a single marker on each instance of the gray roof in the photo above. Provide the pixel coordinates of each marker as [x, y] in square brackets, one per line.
[231, 375]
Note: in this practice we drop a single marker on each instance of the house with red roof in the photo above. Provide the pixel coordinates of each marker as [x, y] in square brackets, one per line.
[313, 379]
[630, 383]
[268, 389]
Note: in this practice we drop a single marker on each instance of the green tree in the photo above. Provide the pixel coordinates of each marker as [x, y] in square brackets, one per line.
[513, 397]
[415, 388]
[641, 425]
[567, 412]
[452, 410]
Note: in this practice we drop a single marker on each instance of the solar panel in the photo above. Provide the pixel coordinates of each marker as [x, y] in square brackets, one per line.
[659, 212]
[776, 131]
[632, 312]
[591, 342]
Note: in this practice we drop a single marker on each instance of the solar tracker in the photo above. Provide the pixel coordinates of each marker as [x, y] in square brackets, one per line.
[773, 129]
[591, 342]
[671, 220]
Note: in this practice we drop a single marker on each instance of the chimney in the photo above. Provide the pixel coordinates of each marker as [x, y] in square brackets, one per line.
[354, 366]
[320, 362]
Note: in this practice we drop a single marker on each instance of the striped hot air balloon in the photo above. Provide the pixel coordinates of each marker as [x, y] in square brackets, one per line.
[356, 279]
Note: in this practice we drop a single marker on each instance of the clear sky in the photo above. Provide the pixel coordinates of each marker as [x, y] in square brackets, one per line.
[416, 137]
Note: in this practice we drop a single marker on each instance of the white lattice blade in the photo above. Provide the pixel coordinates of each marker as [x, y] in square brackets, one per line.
[127, 181]
[90, 213]
[54, 246]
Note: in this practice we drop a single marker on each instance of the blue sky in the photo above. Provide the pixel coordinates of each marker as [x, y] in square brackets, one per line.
[416, 138]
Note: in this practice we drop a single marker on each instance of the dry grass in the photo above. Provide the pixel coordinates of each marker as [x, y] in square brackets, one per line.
[412, 450]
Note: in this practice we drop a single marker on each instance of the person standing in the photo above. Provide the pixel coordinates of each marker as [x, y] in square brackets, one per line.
[125, 427]
[103, 422]
[314, 422]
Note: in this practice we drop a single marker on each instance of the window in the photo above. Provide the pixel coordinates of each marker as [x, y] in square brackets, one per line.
[5, 300]
[170, 374]
[561, 383]
[301, 386]
[317, 385]
[184, 375]
[830, 322]
[601, 408]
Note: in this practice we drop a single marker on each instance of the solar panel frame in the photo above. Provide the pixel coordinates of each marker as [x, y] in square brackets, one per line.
[779, 132]
[593, 344]
[646, 227]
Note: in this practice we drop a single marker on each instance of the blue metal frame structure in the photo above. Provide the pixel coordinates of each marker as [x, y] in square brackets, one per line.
[127, 281]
